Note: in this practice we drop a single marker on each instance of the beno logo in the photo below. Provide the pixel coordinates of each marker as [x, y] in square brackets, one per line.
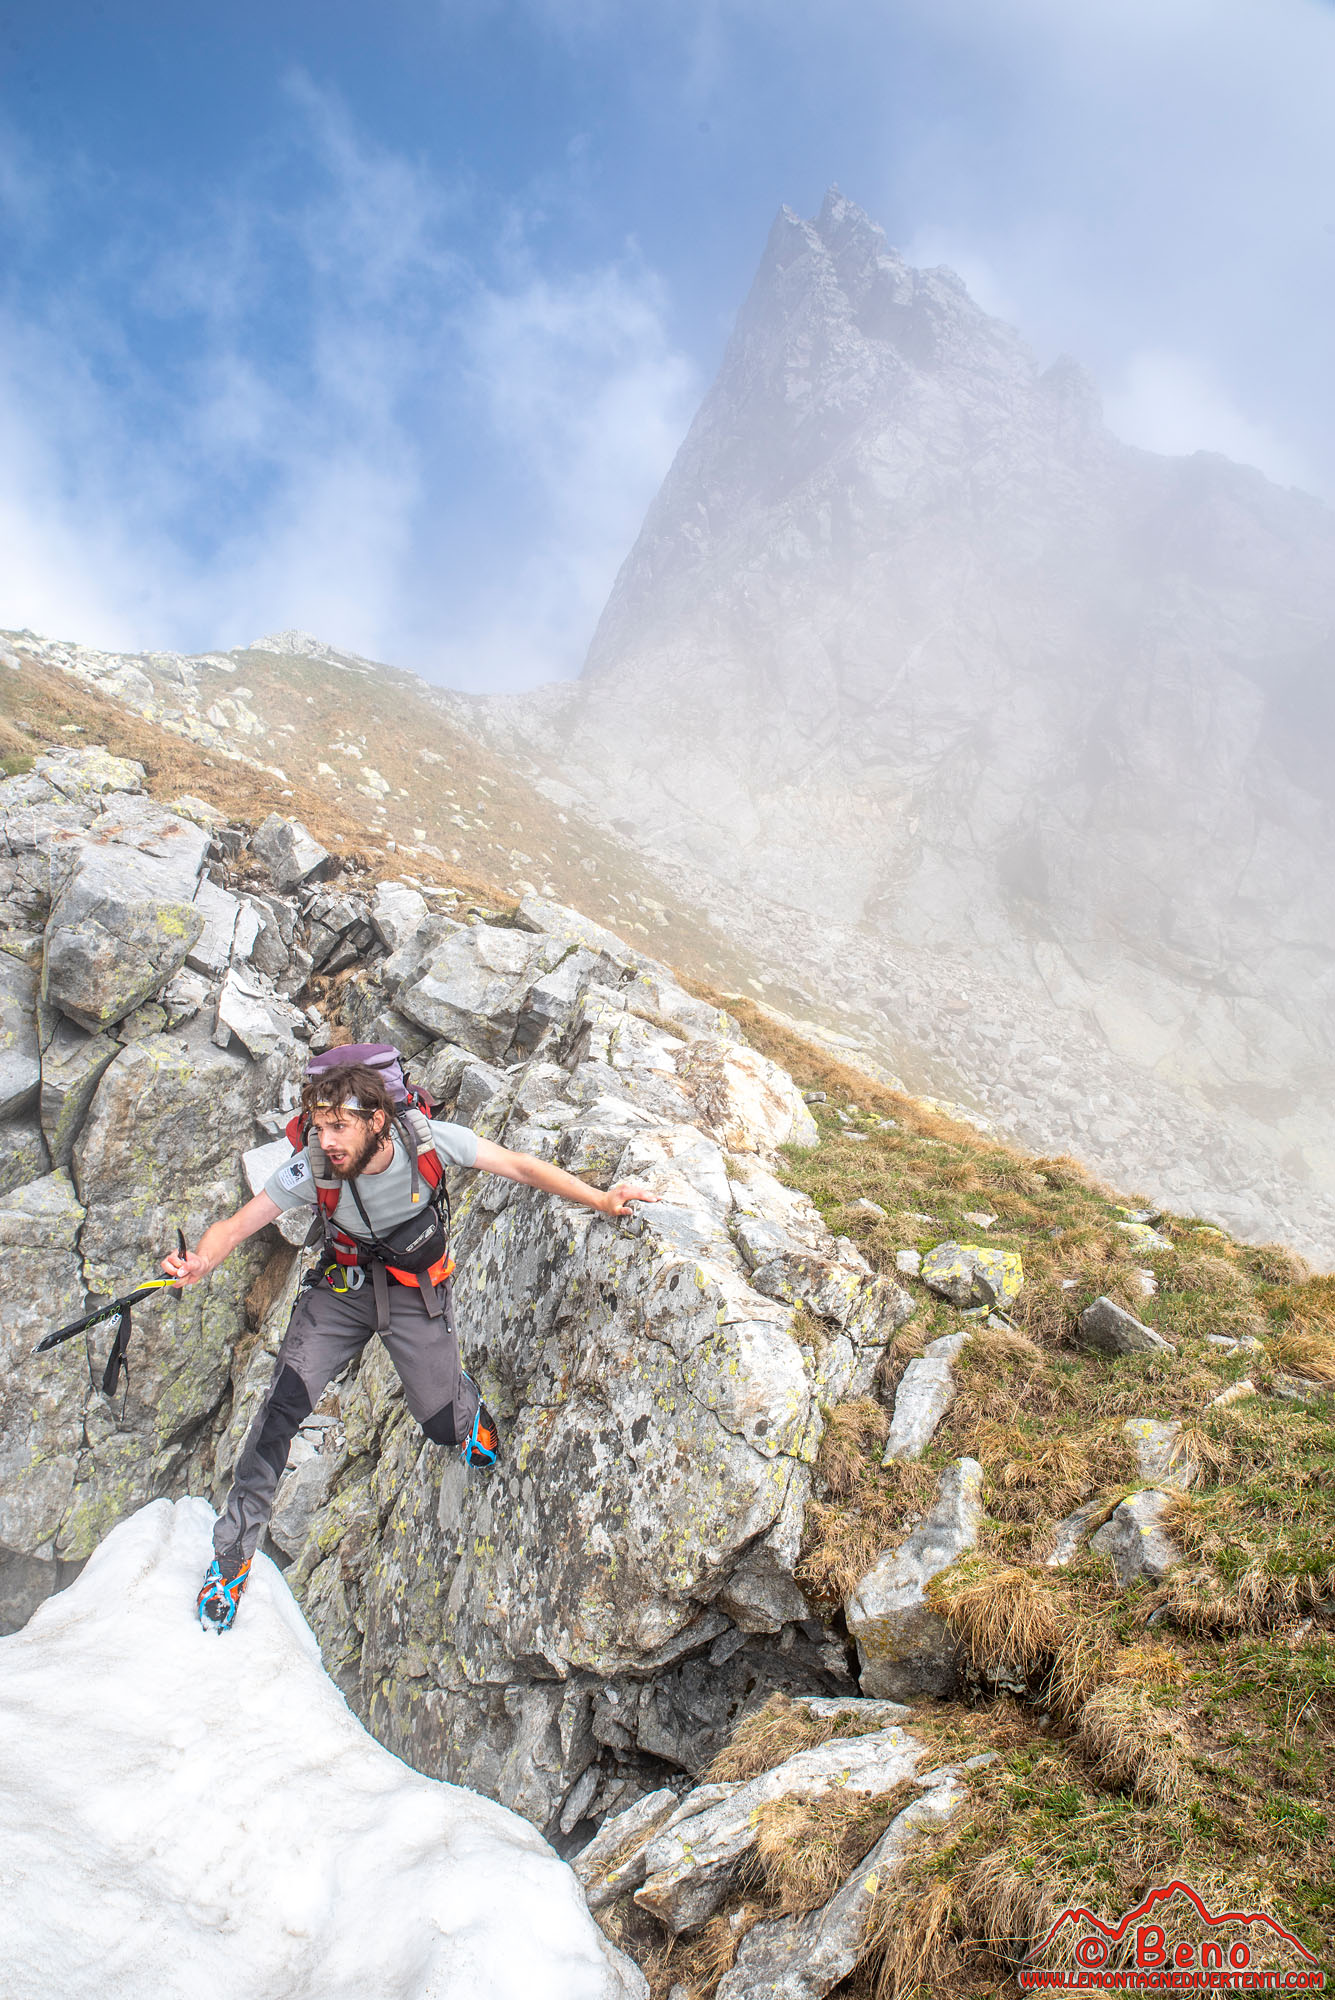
[1156, 1963]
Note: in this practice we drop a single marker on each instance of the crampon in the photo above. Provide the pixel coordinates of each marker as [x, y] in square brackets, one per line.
[219, 1596]
[482, 1446]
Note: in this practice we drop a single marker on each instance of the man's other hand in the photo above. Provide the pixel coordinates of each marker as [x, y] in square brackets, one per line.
[617, 1200]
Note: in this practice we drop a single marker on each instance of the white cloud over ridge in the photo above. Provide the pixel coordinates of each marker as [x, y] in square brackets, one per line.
[414, 400]
[365, 393]
[1151, 181]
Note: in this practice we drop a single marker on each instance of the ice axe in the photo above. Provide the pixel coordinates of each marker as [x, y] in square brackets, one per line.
[119, 1310]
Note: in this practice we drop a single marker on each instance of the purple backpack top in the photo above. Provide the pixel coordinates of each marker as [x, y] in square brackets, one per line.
[379, 1056]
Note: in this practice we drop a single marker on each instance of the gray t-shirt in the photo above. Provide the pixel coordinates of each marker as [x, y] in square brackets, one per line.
[387, 1196]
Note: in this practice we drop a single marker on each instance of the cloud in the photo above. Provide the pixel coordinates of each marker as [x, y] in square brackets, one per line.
[326, 412]
[1153, 178]
[1170, 403]
[581, 382]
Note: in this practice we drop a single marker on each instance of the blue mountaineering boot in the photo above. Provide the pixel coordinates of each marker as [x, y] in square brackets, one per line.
[482, 1446]
[220, 1593]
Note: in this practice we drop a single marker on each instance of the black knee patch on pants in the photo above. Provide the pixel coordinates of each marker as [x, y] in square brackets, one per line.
[288, 1407]
[440, 1427]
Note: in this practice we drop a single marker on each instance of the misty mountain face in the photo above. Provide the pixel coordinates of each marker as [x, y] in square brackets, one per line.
[910, 644]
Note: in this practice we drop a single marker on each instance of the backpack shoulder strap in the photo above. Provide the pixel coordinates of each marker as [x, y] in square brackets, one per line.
[422, 1149]
[327, 1188]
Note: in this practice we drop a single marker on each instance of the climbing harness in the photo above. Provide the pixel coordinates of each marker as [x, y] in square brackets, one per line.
[415, 1252]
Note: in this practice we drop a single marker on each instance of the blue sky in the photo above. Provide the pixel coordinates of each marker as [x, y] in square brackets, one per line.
[385, 321]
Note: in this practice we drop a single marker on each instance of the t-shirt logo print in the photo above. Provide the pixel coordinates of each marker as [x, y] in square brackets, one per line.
[295, 1172]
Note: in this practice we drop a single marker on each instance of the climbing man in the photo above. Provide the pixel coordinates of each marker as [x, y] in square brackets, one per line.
[373, 1164]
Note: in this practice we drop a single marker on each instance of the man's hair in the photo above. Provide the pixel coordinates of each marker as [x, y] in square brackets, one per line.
[333, 1088]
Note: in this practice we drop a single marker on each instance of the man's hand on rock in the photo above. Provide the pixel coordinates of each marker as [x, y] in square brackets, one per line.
[617, 1200]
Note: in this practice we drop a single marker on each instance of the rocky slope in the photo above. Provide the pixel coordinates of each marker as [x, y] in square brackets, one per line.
[837, 1489]
[363, 753]
[1042, 1062]
[937, 683]
[1047, 1063]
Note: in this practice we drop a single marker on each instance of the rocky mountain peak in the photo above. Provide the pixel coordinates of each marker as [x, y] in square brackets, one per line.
[949, 685]
[847, 365]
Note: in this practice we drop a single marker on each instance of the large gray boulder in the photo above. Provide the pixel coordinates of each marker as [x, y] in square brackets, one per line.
[1162, 1460]
[973, 1274]
[743, 1099]
[926, 1391]
[42, 1397]
[396, 912]
[571, 928]
[472, 986]
[260, 1020]
[211, 953]
[23, 1153]
[1136, 1540]
[88, 774]
[72, 1066]
[1111, 1329]
[291, 855]
[20, 1058]
[161, 1148]
[123, 917]
[616, 1859]
[542, 1635]
[903, 1644]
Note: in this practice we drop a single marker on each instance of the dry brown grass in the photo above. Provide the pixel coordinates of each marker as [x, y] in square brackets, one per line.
[807, 1848]
[1069, 1176]
[1002, 1616]
[1066, 1273]
[1083, 1664]
[1203, 1271]
[769, 1736]
[864, 1510]
[698, 1963]
[1204, 1445]
[1275, 1263]
[1254, 1600]
[1135, 1745]
[845, 1539]
[1032, 1477]
[1308, 1307]
[998, 1376]
[853, 1430]
[919, 1935]
[1310, 1354]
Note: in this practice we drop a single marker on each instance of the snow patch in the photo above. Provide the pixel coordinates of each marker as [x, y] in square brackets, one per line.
[184, 1813]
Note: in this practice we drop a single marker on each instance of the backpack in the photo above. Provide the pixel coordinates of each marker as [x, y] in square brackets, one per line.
[417, 1251]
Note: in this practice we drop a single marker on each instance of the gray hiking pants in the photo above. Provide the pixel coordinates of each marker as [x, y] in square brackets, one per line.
[326, 1331]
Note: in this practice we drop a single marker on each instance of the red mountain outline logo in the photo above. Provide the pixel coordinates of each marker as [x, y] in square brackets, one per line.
[1080, 1915]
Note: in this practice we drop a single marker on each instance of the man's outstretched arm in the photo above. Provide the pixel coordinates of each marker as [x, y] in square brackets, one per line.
[522, 1167]
[220, 1240]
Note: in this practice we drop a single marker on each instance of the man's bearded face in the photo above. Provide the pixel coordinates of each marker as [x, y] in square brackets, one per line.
[349, 1138]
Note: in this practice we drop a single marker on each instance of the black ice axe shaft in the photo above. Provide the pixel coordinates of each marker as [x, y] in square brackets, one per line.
[119, 1310]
